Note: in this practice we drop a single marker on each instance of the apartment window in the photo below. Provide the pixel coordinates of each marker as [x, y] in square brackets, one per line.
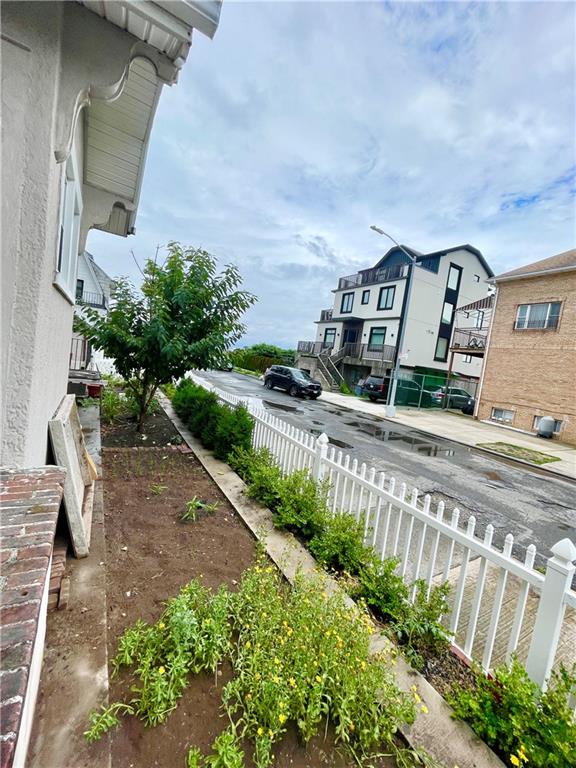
[479, 319]
[347, 303]
[441, 353]
[329, 337]
[557, 424]
[70, 213]
[365, 297]
[447, 312]
[501, 414]
[530, 316]
[386, 297]
[376, 339]
[467, 359]
[454, 278]
[79, 289]
[431, 263]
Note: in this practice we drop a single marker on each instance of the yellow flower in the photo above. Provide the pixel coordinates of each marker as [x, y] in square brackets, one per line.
[514, 760]
[161, 625]
[417, 698]
[161, 670]
[257, 675]
[424, 709]
[271, 733]
[248, 644]
[269, 569]
[318, 679]
[522, 754]
[282, 704]
[248, 696]
[260, 731]
[292, 682]
[281, 718]
[352, 727]
[275, 679]
[363, 664]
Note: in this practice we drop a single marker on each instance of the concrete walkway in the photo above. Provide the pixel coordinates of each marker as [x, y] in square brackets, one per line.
[463, 429]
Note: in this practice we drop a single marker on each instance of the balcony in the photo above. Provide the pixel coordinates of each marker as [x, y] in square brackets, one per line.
[325, 315]
[374, 352]
[87, 299]
[372, 276]
[313, 347]
[469, 341]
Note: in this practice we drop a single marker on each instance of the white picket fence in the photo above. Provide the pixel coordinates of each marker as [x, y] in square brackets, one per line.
[498, 605]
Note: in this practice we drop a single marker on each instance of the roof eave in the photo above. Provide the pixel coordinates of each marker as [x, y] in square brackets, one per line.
[505, 278]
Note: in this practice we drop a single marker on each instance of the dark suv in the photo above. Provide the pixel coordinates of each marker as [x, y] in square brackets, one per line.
[293, 380]
[407, 392]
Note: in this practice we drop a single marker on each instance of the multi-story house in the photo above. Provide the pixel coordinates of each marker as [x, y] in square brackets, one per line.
[93, 289]
[530, 364]
[358, 334]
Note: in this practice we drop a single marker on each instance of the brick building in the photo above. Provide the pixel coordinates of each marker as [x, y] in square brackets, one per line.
[530, 365]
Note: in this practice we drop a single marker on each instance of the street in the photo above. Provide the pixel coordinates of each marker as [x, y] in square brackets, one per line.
[535, 508]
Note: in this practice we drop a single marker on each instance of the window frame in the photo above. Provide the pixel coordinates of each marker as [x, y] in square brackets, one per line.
[546, 326]
[329, 330]
[467, 358]
[345, 296]
[452, 311]
[390, 291]
[374, 347]
[499, 419]
[70, 216]
[479, 322]
[557, 430]
[458, 270]
[438, 358]
[365, 297]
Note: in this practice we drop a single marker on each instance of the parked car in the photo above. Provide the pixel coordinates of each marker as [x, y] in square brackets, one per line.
[292, 380]
[468, 407]
[456, 397]
[408, 392]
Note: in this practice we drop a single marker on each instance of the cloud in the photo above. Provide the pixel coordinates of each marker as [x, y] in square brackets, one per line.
[301, 124]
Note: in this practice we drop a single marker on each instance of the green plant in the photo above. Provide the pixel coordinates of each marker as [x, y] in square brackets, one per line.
[88, 402]
[339, 545]
[169, 389]
[383, 589]
[226, 751]
[419, 627]
[194, 506]
[260, 472]
[106, 718]
[301, 505]
[111, 405]
[234, 427]
[157, 489]
[344, 388]
[194, 758]
[522, 724]
[184, 316]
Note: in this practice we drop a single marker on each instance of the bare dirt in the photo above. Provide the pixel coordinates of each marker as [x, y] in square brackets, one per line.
[158, 430]
[150, 554]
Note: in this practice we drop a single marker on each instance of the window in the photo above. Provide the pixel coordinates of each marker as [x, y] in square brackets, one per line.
[431, 263]
[501, 414]
[347, 303]
[447, 313]
[467, 359]
[79, 289]
[70, 213]
[479, 319]
[530, 316]
[557, 424]
[454, 277]
[365, 297]
[329, 337]
[477, 278]
[386, 297]
[377, 337]
[441, 352]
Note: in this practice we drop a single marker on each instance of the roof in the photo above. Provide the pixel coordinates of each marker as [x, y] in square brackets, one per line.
[117, 131]
[484, 303]
[562, 262]
[421, 256]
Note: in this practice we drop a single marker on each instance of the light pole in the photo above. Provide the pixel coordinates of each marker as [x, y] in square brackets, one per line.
[391, 400]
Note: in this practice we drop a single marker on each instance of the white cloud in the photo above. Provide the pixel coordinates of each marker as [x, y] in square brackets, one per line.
[303, 123]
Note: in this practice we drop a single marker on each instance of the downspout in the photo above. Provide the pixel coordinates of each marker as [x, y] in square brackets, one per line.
[485, 358]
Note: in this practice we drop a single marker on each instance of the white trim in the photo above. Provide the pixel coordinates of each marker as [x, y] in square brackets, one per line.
[540, 272]
[486, 355]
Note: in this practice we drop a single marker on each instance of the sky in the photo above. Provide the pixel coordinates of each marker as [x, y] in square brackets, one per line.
[303, 123]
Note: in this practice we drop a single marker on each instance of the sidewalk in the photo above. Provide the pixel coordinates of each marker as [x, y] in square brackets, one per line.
[463, 429]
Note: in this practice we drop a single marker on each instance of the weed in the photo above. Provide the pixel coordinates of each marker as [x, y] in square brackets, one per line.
[105, 719]
[158, 489]
[339, 545]
[111, 405]
[194, 506]
[88, 402]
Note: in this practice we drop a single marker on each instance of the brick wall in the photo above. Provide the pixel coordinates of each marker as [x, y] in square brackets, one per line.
[29, 505]
[533, 372]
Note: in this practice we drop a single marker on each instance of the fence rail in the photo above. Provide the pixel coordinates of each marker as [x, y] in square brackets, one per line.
[498, 603]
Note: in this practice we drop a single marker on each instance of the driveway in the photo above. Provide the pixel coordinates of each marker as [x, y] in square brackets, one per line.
[535, 508]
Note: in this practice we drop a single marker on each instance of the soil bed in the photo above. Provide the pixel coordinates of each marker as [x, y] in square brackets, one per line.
[150, 554]
[158, 430]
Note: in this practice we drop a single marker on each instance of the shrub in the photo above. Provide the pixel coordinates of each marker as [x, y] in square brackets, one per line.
[183, 398]
[383, 589]
[339, 546]
[419, 626]
[523, 725]
[301, 505]
[111, 405]
[169, 390]
[233, 428]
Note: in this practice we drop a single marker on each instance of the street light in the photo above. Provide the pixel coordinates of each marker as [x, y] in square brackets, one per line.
[390, 405]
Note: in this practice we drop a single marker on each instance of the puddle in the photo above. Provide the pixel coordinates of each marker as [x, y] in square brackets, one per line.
[332, 440]
[280, 406]
[416, 444]
[320, 423]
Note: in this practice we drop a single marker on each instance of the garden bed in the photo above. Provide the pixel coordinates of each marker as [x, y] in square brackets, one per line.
[158, 430]
[150, 555]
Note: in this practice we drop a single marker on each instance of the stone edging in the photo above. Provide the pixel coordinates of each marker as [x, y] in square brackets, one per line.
[450, 741]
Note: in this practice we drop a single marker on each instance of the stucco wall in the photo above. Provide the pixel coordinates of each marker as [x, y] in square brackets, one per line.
[54, 51]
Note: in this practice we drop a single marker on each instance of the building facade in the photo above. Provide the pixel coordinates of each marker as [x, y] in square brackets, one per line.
[530, 364]
[80, 87]
[359, 333]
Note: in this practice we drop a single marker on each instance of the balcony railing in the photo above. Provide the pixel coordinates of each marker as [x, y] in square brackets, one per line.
[371, 276]
[378, 352]
[87, 299]
[313, 347]
[469, 340]
[325, 315]
[80, 354]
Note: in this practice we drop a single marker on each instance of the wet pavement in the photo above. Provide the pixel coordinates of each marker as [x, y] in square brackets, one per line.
[526, 502]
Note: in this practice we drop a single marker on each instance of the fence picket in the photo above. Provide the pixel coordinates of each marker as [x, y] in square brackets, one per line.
[368, 520]
[405, 558]
[401, 497]
[420, 545]
[520, 605]
[389, 507]
[434, 553]
[474, 613]
[381, 479]
[497, 606]
[462, 578]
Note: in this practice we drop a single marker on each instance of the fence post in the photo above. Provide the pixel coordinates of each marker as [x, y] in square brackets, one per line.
[320, 457]
[559, 573]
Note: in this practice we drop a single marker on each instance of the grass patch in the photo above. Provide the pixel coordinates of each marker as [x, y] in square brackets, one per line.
[246, 372]
[518, 452]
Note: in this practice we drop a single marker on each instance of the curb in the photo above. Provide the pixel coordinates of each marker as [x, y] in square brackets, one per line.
[450, 741]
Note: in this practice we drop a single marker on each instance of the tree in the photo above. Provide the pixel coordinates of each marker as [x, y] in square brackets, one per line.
[184, 316]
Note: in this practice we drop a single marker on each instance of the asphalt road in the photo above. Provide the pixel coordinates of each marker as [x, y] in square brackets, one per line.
[535, 508]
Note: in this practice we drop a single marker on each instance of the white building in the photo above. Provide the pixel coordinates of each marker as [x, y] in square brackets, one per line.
[80, 87]
[359, 333]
